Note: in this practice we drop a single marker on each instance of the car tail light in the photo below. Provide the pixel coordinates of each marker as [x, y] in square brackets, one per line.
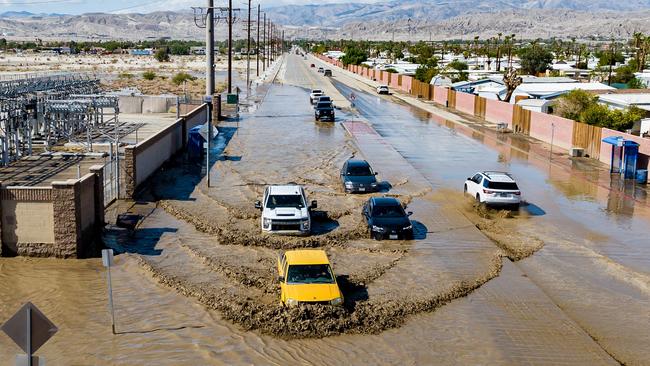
[517, 193]
[487, 191]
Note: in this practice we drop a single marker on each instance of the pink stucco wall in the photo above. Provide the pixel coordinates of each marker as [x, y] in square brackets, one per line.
[465, 102]
[406, 83]
[394, 80]
[543, 125]
[498, 112]
[440, 95]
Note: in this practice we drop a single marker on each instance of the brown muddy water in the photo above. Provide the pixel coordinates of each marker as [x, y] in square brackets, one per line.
[223, 307]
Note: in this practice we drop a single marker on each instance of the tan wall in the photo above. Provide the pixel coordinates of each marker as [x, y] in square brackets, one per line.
[27, 222]
[87, 201]
[153, 152]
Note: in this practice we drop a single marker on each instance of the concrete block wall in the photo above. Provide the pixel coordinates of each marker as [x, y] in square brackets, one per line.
[143, 159]
[440, 95]
[146, 103]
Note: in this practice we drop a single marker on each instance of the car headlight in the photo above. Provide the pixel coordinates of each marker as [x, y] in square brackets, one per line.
[349, 185]
[377, 228]
[373, 185]
[337, 301]
[408, 227]
[292, 302]
[266, 222]
[305, 225]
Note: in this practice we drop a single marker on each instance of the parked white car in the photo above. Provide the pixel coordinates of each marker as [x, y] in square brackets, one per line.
[285, 211]
[314, 95]
[383, 89]
[493, 188]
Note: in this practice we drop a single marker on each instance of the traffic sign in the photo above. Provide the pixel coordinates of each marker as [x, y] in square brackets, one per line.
[29, 328]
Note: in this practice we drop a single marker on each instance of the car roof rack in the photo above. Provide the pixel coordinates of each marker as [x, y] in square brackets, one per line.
[487, 173]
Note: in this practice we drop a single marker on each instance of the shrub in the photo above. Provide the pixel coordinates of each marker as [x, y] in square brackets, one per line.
[125, 75]
[149, 75]
[162, 55]
[181, 77]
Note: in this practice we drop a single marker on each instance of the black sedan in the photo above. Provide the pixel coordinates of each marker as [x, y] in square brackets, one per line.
[387, 220]
[357, 176]
[324, 111]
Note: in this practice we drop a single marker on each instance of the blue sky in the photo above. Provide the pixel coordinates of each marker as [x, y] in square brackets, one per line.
[140, 6]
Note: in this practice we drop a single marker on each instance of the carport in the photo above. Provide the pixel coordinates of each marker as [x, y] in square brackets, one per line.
[624, 156]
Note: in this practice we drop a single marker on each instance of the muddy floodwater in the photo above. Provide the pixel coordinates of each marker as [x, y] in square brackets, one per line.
[197, 281]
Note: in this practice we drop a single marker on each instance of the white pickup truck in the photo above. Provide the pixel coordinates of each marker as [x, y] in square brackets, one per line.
[285, 211]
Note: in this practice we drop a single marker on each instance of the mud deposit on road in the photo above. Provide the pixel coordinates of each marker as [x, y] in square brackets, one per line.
[220, 257]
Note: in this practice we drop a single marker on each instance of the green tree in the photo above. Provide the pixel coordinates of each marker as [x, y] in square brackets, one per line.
[426, 71]
[457, 69]
[635, 83]
[607, 58]
[162, 55]
[354, 56]
[573, 103]
[535, 59]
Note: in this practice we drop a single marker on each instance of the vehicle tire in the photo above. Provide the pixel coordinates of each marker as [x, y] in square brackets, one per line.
[478, 199]
[465, 189]
[377, 236]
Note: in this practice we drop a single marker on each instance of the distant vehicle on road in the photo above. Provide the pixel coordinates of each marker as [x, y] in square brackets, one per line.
[493, 188]
[327, 72]
[306, 277]
[386, 219]
[323, 98]
[320, 69]
[314, 95]
[285, 211]
[324, 111]
[312, 65]
[357, 176]
[383, 89]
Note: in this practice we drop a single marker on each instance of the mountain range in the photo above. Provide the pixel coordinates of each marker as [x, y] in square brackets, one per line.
[396, 19]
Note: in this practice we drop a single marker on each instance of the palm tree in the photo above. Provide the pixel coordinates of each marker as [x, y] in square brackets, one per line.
[499, 52]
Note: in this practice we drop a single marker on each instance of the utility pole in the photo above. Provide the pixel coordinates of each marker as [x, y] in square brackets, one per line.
[229, 46]
[264, 45]
[282, 43]
[209, 85]
[611, 61]
[248, 51]
[257, 44]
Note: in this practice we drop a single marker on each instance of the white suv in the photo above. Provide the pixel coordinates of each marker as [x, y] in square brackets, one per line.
[493, 188]
[382, 89]
[314, 95]
[285, 211]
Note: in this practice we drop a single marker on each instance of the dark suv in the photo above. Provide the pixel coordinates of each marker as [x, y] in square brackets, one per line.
[357, 176]
[324, 111]
[387, 220]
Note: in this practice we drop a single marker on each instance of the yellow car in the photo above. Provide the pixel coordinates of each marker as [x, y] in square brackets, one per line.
[306, 277]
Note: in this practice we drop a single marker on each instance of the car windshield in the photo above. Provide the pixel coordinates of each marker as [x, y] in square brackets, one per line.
[324, 99]
[309, 273]
[324, 105]
[316, 91]
[282, 200]
[388, 211]
[359, 170]
[510, 186]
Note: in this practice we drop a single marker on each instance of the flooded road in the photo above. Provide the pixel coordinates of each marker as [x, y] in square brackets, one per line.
[199, 285]
[596, 239]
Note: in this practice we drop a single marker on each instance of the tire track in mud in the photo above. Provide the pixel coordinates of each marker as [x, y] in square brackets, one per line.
[316, 321]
